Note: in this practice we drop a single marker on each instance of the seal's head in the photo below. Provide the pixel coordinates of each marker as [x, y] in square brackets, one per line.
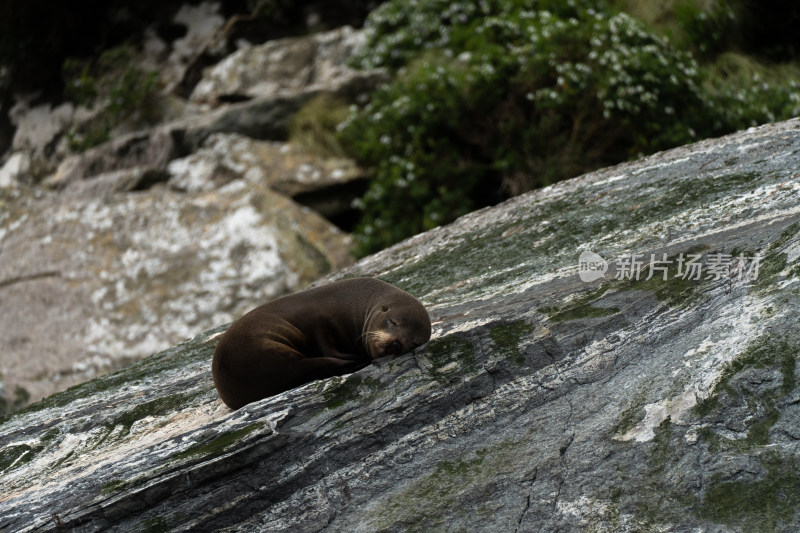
[396, 326]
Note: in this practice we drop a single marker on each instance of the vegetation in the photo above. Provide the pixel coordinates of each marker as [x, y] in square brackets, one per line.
[116, 85]
[314, 126]
[494, 98]
[488, 99]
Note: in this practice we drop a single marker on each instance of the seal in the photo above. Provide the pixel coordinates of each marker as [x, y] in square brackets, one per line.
[322, 332]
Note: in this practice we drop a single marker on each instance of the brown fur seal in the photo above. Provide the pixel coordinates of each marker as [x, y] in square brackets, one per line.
[318, 333]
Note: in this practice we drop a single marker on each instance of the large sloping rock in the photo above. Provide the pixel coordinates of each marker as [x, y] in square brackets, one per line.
[91, 280]
[542, 402]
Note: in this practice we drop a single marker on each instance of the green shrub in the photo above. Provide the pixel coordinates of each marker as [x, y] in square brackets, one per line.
[494, 98]
[711, 30]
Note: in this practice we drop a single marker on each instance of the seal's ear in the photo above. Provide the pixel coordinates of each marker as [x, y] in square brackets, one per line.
[385, 308]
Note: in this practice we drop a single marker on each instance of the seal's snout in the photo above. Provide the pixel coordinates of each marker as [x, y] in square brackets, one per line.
[394, 348]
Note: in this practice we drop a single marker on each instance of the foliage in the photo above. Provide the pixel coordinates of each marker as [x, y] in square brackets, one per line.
[314, 126]
[497, 97]
[116, 85]
[716, 26]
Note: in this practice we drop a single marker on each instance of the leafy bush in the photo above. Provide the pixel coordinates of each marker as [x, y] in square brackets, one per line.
[497, 97]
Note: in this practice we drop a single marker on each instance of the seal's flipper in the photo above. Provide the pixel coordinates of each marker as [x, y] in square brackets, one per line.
[326, 367]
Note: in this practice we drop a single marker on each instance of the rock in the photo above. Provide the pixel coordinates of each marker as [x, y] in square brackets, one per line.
[105, 185]
[39, 133]
[261, 118]
[91, 280]
[287, 66]
[314, 65]
[202, 23]
[284, 167]
[317, 65]
[542, 402]
[150, 149]
[15, 169]
[326, 184]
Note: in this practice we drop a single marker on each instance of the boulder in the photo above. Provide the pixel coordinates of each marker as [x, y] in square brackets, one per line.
[263, 118]
[148, 149]
[284, 167]
[287, 66]
[91, 280]
[15, 169]
[39, 134]
[606, 357]
[328, 185]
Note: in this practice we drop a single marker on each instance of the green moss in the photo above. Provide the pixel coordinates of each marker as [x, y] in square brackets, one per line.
[452, 348]
[632, 415]
[795, 270]
[556, 243]
[581, 307]
[155, 408]
[156, 525]
[656, 499]
[758, 432]
[769, 351]
[508, 337]
[419, 507]
[14, 456]
[435, 270]
[674, 291]
[764, 505]
[774, 261]
[218, 445]
[350, 388]
[764, 352]
[648, 494]
[115, 485]
[49, 436]
[662, 450]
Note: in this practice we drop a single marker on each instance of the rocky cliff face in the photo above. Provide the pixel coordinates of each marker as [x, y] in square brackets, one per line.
[654, 398]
